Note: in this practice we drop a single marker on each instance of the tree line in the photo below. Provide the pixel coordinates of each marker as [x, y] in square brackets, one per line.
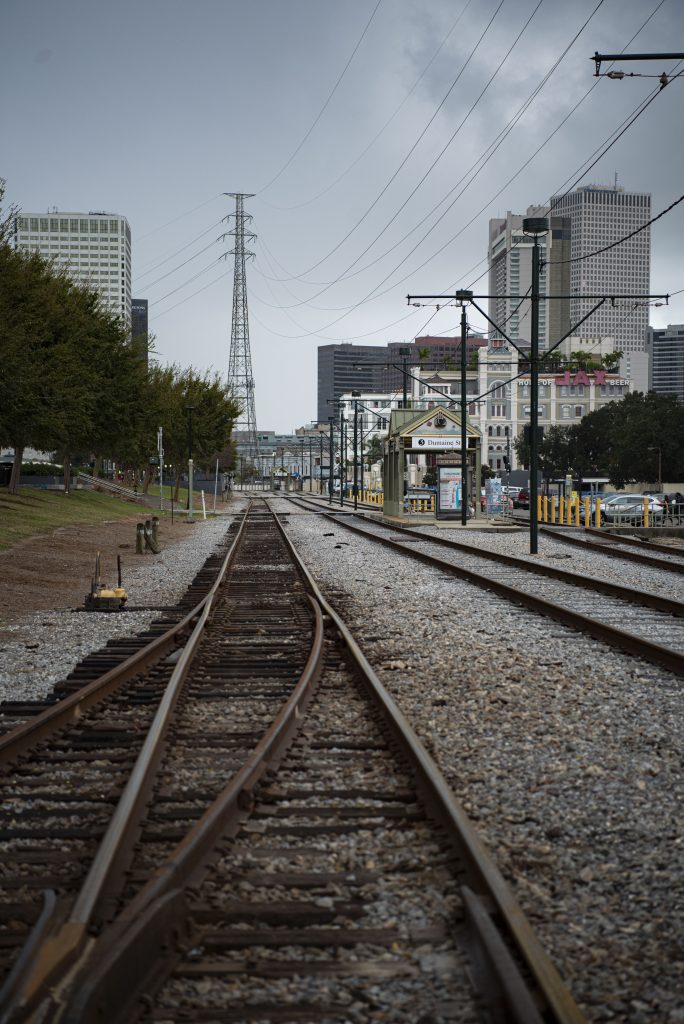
[72, 382]
[639, 438]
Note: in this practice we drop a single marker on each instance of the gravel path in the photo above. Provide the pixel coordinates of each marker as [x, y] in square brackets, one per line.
[565, 754]
[41, 649]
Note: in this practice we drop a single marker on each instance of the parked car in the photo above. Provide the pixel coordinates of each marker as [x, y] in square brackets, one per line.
[629, 509]
[522, 498]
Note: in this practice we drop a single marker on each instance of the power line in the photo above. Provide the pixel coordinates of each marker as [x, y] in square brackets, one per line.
[410, 152]
[307, 202]
[388, 276]
[177, 252]
[444, 148]
[322, 110]
[179, 217]
[183, 264]
[204, 287]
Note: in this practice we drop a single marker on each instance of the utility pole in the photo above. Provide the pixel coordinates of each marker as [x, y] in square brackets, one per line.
[535, 227]
[189, 410]
[240, 379]
[464, 297]
[342, 457]
[331, 421]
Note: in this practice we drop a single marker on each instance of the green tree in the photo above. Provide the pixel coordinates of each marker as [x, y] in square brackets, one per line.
[373, 451]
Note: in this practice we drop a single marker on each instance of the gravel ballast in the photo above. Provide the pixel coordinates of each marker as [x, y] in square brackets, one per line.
[565, 753]
[41, 649]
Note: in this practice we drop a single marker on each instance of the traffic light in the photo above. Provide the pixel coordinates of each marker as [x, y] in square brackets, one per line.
[507, 463]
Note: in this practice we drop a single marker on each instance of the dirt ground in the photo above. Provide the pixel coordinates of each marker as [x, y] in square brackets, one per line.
[53, 571]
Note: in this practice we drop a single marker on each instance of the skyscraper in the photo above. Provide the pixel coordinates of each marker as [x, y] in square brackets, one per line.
[510, 273]
[665, 346]
[599, 216]
[96, 247]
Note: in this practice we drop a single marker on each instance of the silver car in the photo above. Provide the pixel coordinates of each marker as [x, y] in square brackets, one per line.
[629, 509]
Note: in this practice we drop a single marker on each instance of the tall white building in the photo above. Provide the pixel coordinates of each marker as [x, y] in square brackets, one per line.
[600, 215]
[510, 273]
[96, 247]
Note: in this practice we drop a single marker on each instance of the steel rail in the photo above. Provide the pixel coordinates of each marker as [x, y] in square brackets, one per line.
[619, 590]
[666, 658]
[65, 712]
[636, 542]
[63, 941]
[605, 549]
[152, 923]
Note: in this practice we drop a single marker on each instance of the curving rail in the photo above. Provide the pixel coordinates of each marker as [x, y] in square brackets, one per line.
[156, 930]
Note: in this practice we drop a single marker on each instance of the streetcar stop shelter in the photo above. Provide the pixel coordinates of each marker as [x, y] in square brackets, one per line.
[431, 438]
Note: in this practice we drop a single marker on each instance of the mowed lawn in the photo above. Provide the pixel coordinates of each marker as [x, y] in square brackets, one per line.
[34, 511]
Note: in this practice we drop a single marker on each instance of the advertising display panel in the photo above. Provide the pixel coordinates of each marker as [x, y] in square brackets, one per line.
[493, 497]
[449, 492]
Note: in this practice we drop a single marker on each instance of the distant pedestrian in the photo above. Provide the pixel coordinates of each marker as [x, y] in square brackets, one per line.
[678, 505]
[667, 507]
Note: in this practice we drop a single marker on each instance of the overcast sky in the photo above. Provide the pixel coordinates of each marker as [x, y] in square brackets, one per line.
[361, 129]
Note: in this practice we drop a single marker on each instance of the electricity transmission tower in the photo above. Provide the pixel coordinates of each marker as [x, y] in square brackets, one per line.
[240, 377]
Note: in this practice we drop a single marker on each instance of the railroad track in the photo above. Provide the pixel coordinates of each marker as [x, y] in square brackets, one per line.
[290, 852]
[645, 624]
[666, 558]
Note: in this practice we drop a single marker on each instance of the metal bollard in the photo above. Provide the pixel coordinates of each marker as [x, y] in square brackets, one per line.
[140, 539]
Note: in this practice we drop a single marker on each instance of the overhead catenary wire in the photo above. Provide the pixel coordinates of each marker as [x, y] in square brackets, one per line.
[332, 92]
[434, 163]
[410, 151]
[372, 293]
[350, 167]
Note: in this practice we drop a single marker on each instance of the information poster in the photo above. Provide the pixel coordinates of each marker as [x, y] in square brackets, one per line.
[449, 492]
[493, 497]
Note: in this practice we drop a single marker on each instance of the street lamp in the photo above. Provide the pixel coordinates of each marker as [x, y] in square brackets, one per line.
[534, 226]
[657, 448]
[189, 410]
[331, 421]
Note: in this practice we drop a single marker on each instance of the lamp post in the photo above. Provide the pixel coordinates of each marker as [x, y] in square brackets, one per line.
[331, 421]
[342, 457]
[320, 466]
[464, 297]
[355, 395]
[657, 448]
[189, 410]
[404, 353]
[534, 226]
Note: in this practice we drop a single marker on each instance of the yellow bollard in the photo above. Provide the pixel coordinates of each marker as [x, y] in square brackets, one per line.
[561, 510]
[598, 511]
[647, 509]
[539, 506]
[545, 509]
[553, 508]
[569, 510]
[587, 513]
[577, 511]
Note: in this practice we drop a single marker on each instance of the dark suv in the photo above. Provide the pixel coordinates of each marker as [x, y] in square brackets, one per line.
[522, 499]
